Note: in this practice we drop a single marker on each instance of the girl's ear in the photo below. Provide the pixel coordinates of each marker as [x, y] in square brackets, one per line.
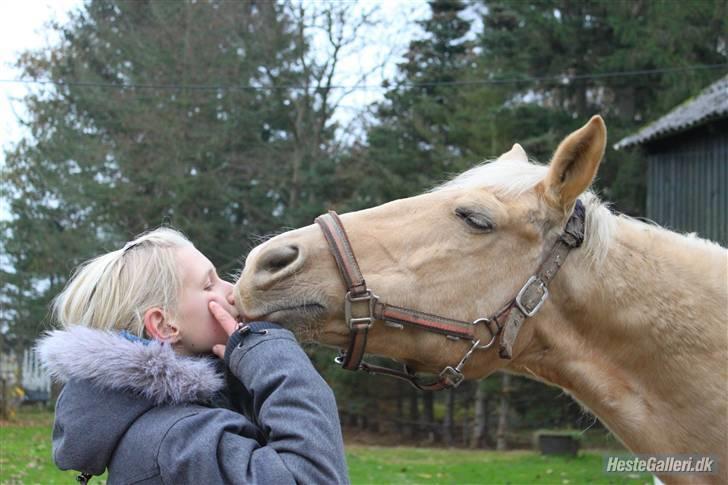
[159, 327]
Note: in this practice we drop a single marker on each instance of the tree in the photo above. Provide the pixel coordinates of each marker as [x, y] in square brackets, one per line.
[165, 112]
[503, 411]
[570, 48]
[412, 144]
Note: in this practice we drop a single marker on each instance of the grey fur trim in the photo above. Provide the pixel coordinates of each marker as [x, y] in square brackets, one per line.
[109, 360]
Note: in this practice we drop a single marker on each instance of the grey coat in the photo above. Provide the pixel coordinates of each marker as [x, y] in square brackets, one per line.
[152, 417]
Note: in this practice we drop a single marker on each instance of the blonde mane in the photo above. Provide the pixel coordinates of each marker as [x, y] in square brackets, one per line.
[512, 178]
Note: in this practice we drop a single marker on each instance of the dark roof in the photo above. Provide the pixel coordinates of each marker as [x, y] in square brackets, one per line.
[710, 104]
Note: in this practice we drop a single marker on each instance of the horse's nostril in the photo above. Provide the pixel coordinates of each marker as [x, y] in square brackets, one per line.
[278, 258]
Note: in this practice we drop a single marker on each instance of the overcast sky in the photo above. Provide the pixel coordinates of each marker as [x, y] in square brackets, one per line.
[23, 26]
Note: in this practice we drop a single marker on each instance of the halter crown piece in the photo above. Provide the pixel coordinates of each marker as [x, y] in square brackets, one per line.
[362, 307]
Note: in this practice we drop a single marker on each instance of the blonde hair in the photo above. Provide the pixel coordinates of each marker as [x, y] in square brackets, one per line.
[112, 291]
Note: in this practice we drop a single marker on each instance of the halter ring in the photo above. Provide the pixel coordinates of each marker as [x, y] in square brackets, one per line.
[493, 334]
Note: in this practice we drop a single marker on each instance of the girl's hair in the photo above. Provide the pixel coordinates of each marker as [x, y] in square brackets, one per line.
[112, 291]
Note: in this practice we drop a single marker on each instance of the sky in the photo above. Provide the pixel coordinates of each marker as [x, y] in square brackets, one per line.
[24, 26]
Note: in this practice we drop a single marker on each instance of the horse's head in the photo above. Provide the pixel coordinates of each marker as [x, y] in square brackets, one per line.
[460, 251]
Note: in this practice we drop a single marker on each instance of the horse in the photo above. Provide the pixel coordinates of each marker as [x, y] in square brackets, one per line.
[632, 325]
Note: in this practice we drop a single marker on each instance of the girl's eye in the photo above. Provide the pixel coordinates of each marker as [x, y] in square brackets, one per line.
[474, 219]
[208, 285]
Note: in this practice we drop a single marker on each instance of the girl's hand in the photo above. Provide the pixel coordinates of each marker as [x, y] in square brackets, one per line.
[226, 321]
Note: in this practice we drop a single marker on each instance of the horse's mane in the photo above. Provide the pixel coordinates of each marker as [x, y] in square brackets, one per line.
[512, 178]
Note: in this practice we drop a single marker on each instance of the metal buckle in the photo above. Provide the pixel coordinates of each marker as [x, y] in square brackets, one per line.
[519, 304]
[359, 322]
[451, 376]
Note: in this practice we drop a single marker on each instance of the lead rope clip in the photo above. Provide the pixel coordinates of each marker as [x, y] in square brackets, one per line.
[83, 478]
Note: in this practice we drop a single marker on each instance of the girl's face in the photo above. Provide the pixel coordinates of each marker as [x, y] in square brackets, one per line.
[198, 329]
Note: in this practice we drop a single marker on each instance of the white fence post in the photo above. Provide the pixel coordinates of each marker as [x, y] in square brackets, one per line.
[35, 381]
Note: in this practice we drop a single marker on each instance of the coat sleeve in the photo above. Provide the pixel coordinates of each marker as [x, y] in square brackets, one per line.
[297, 425]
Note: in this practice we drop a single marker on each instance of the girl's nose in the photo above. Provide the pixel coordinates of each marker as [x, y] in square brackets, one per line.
[231, 297]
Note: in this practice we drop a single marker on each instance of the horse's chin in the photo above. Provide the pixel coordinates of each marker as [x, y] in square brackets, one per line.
[304, 321]
[291, 316]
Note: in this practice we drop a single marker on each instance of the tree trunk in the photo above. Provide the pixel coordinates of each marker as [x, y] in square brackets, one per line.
[428, 416]
[362, 421]
[400, 411]
[477, 439]
[449, 418]
[414, 415]
[373, 421]
[465, 425]
[501, 443]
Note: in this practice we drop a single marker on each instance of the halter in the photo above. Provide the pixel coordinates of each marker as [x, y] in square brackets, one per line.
[362, 307]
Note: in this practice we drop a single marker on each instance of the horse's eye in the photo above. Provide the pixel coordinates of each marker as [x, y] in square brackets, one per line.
[476, 220]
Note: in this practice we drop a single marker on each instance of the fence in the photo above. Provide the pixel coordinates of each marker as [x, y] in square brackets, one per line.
[22, 380]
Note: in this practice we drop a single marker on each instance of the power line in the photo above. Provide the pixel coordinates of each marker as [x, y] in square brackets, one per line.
[562, 78]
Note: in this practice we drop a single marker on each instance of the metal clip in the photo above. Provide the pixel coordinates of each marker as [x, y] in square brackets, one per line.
[452, 377]
[544, 295]
[359, 322]
[467, 355]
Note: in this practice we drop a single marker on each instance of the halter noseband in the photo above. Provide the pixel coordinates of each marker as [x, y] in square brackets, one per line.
[362, 307]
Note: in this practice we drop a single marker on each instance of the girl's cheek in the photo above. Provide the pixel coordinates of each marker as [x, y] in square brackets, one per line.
[218, 331]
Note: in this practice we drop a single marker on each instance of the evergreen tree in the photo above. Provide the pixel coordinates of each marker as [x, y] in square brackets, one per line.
[180, 112]
[414, 143]
[571, 47]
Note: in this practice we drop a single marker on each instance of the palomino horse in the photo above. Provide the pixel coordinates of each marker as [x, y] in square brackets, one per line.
[634, 326]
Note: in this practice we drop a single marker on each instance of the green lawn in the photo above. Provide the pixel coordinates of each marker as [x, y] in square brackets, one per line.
[25, 458]
[25, 451]
[372, 464]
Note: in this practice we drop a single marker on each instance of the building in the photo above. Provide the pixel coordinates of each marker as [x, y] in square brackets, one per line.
[687, 164]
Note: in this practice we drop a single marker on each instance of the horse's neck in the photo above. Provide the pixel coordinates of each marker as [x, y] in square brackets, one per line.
[641, 340]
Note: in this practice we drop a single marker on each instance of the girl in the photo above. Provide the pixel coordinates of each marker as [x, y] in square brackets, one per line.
[145, 399]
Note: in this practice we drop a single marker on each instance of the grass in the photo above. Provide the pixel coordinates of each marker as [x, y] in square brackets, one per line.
[25, 458]
[375, 465]
[25, 451]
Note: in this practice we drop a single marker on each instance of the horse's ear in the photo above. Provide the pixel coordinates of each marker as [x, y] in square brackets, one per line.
[515, 153]
[575, 163]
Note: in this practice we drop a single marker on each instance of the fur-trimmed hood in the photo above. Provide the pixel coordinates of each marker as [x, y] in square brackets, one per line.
[110, 360]
[110, 382]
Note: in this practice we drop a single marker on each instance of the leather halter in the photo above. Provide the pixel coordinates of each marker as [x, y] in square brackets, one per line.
[362, 307]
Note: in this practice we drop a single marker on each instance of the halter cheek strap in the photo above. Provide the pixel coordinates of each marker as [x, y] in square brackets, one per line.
[534, 293]
[362, 307]
[359, 300]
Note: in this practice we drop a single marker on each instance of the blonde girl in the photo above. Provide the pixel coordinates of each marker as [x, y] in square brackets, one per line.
[163, 385]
